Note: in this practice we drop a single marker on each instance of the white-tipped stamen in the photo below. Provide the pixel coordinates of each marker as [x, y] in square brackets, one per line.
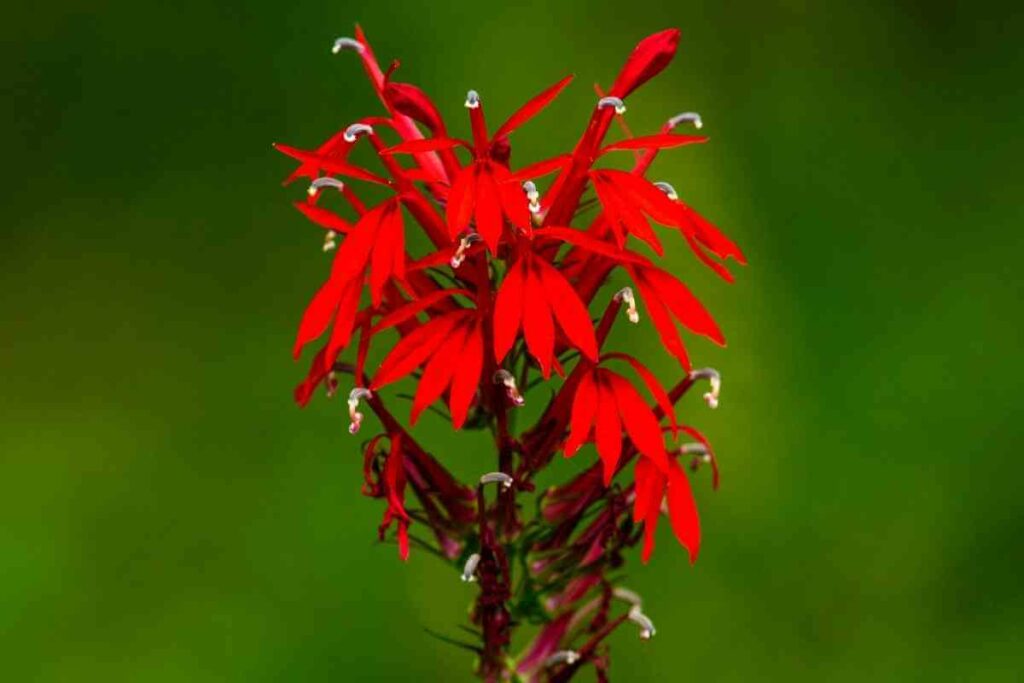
[329, 240]
[667, 188]
[498, 478]
[353, 132]
[353, 404]
[686, 117]
[626, 295]
[469, 570]
[511, 390]
[322, 182]
[627, 595]
[715, 379]
[695, 449]
[332, 384]
[472, 99]
[620, 106]
[532, 195]
[647, 629]
[347, 44]
[569, 657]
[460, 254]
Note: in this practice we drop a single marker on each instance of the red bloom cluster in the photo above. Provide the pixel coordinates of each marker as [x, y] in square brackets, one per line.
[506, 291]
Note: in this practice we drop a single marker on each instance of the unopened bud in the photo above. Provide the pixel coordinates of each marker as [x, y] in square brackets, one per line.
[715, 379]
[501, 478]
[355, 417]
[469, 570]
[620, 106]
[626, 296]
[511, 390]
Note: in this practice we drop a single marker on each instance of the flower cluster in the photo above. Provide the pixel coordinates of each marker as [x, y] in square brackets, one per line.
[501, 302]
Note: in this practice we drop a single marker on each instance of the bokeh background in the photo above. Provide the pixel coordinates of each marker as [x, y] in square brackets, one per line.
[167, 513]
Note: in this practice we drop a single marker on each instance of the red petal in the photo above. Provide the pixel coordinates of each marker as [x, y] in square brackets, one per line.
[650, 490]
[459, 210]
[640, 423]
[685, 305]
[488, 214]
[318, 313]
[710, 236]
[586, 241]
[351, 258]
[659, 141]
[438, 372]
[661, 319]
[415, 348]
[607, 429]
[389, 240]
[538, 327]
[531, 108]
[332, 165]
[409, 100]
[317, 372]
[344, 322]
[508, 310]
[514, 203]
[467, 376]
[570, 312]
[711, 452]
[541, 168]
[653, 385]
[648, 58]
[682, 512]
[584, 407]
[428, 145]
[322, 217]
[408, 310]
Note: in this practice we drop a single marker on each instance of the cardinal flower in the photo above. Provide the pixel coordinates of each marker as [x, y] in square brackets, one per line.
[652, 487]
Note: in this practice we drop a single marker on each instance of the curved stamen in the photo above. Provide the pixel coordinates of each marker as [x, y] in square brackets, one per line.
[347, 44]
[322, 182]
[460, 254]
[469, 570]
[647, 629]
[667, 189]
[685, 117]
[620, 106]
[511, 390]
[626, 294]
[353, 132]
[530, 188]
[329, 242]
[498, 478]
[715, 379]
[569, 657]
[353, 404]
[472, 99]
[627, 595]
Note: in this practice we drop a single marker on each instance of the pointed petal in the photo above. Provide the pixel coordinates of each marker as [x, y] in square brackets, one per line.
[332, 165]
[488, 214]
[409, 100]
[682, 512]
[660, 318]
[659, 141]
[459, 209]
[647, 60]
[640, 423]
[317, 372]
[684, 305]
[607, 429]
[586, 241]
[344, 322]
[653, 385]
[318, 313]
[584, 407]
[650, 490]
[438, 372]
[538, 327]
[322, 217]
[427, 145]
[390, 237]
[531, 108]
[414, 307]
[570, 312]
[514, 203]
[415, 348]
[508, 310]
[467, 376]
[541, 168]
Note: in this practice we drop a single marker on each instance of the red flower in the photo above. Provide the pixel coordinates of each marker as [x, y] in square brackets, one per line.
[389, 485]
[652, 485]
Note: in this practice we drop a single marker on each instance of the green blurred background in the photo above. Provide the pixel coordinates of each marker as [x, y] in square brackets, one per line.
[169, 515]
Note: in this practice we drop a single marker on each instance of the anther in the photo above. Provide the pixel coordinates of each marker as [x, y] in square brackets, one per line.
[498, 478]
[530, 188]
[347, 44]
[569, 657]
[325, 181]
[626, 294]
[511, 390]
[460, 254]
[469, 570]
[353, 132]
[620, 106]
[699, 452]
[472, 99]
[667, 189]
[329, 241]
[627, 595]
[647, 629]
[715, 379]
[353, 404]
[686, 117]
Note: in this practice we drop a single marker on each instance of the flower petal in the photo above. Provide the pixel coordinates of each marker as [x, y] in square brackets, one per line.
[415, 348]
[639, 421]
[409, 100]
[438, 372]
[570, 312]
[607, 428]
[531, 108]
[488, 214]
[682, 512]
[459, 209]
[658, 141]
[584, 407]
[508, 310]
[466, 378]
[322, 217]
[538, 327]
